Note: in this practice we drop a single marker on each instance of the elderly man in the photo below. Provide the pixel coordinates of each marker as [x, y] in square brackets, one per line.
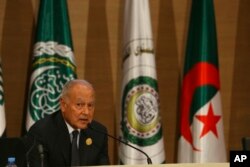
[65, 136]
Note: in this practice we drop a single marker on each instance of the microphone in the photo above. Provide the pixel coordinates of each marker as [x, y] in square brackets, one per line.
[41, 152]
[149, 161]
[30, 149]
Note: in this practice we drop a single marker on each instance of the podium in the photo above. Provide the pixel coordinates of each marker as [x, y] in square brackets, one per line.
[175, 165]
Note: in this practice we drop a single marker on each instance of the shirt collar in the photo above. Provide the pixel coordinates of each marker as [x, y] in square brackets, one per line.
[70, 128]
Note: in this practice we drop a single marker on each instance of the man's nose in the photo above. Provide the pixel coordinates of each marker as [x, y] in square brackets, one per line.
[85, 110]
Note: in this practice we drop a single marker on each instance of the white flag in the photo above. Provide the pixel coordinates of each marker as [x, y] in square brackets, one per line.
[2, 109]
[140, 118]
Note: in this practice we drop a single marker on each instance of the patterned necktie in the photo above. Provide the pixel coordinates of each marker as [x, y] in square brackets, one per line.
[75, 158]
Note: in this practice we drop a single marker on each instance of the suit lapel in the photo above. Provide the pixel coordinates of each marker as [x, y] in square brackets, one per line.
[63, 138]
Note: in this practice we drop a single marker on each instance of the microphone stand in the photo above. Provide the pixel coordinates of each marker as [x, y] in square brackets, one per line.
[28, 152]
[149, 161]
[40, 149]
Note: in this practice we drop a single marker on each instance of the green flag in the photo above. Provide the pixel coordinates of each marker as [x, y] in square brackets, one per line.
[202, 135]
[140, 115]
[2, 108]
[53, 60]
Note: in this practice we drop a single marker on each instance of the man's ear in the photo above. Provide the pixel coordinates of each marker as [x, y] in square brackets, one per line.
[62, 104]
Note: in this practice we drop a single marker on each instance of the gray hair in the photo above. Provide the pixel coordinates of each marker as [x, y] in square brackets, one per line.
[72, 83]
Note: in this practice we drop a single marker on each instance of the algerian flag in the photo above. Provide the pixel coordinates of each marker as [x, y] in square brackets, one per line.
[2, 109]
[140, 117]
[53, 62]
[202, 138]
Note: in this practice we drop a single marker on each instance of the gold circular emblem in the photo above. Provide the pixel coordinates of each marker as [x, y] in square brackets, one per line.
[143, 111]
[88, 141]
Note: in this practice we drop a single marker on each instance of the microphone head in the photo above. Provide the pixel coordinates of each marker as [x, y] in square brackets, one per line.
[40, 148]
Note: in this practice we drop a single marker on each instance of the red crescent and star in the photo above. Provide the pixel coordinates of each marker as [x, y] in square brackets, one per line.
[201, 74]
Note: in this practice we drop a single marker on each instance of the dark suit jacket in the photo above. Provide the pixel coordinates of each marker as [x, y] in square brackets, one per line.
[53, 134]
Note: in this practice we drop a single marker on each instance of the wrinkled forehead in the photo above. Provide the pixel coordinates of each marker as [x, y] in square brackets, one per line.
[74, 86]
